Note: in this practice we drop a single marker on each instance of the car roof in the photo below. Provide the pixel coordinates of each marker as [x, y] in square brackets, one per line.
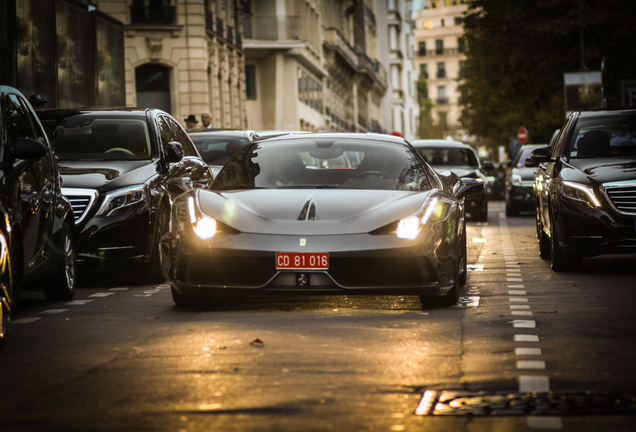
[371, 136]
[605, 112]
[52, 113]
[439, 143]
[222, 132]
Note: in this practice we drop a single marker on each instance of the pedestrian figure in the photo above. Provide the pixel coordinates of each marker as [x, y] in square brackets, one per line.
[191, 121]
[206, 119]
[37, 101]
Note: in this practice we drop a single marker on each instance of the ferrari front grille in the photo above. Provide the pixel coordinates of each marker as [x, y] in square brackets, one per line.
[622, 196]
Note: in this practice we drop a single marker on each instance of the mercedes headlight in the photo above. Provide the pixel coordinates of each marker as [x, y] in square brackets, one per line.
[123, 200]
[581, 193]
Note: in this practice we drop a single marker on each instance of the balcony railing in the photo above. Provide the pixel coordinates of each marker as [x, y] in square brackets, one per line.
[436, 52]
[272, 27]
[152, 15]
[334, 38]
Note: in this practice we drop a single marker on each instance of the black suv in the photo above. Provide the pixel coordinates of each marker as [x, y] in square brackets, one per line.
[586, 188]
[36, 233]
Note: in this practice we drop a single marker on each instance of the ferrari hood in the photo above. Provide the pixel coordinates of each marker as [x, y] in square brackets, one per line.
[310, 211]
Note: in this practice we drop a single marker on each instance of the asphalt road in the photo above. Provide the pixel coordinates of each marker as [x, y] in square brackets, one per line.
[526, 349]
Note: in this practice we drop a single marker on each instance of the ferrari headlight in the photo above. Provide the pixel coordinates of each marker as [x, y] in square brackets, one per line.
[582, 193]
[435, 210]
[409, 227]
[122, 200]
[203, 225]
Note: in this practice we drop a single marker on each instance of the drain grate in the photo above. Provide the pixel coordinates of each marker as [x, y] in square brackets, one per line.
[458, 403]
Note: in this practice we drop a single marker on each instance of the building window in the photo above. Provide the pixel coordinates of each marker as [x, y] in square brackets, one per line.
[421, 49]
[441, 95]
[441, 70]
[459, 21]
[250, 82]
[309, 90]
[439, 46]
[423, 70]
[461, 46]
[153, 86]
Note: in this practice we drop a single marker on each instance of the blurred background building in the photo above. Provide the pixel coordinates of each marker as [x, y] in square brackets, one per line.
[316, 65]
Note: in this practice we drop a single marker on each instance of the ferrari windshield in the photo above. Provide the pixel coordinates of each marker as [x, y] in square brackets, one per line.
[324, 163]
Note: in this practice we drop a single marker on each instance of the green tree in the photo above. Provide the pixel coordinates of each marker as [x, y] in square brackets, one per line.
[519, 50]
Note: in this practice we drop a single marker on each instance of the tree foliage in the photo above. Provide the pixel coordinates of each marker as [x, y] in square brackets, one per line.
[518, 51]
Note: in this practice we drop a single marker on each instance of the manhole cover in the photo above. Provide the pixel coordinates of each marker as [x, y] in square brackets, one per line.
[448, 402]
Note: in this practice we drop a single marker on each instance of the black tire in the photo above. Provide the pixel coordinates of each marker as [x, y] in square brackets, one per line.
[450, 299]
[64, 280]
[159, 265]
[560, 261]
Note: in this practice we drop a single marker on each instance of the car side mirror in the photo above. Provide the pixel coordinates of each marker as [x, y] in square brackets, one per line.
[174, 152]
[469, 187]
[28, 148]
[538, 156]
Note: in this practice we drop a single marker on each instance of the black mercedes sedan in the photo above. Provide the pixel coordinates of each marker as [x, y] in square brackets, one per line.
[282, 218]
[586, 188]
[121, 170]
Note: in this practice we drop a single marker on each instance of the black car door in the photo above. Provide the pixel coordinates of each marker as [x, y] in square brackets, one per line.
[32, 180]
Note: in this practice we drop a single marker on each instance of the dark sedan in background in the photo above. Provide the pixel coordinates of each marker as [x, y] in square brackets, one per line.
[586, 188]
[462, 160]
[122, 169]
[217, 146]
[281, 218]
[36, 237]
[520, 182]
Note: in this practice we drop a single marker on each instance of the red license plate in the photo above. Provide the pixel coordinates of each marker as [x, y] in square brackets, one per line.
[302, 261]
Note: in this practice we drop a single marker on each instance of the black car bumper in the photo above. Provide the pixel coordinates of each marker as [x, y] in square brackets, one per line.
[584, 231]
[115, 241]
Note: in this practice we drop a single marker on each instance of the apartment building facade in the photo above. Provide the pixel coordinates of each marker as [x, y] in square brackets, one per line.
[440, 56]
[402, 71]
[314, 65]
[183, 56]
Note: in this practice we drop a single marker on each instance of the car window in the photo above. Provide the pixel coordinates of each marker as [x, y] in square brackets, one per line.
[522, 155]
[17, 121]
[91, 137]
[181, 136]
[308, 164]
[604, 136]
[442, 156]
[216, 150]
